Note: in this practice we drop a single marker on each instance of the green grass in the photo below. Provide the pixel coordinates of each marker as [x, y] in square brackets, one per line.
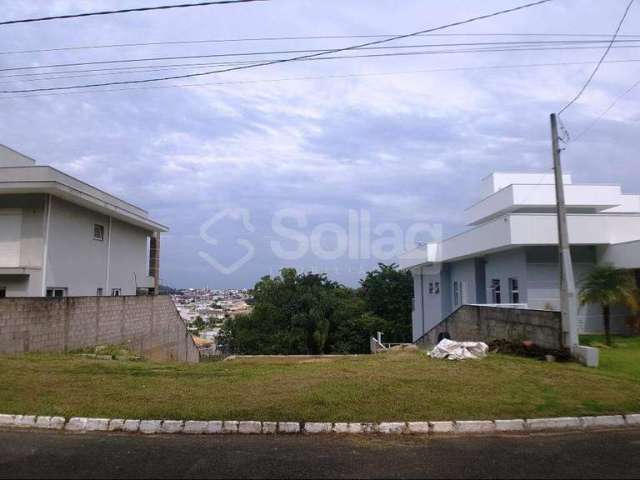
[402, 386]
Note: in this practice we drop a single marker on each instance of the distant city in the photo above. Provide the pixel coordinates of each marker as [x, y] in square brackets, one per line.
[205, 310]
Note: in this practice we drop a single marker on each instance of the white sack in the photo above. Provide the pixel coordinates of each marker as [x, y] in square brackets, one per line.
[459, 350]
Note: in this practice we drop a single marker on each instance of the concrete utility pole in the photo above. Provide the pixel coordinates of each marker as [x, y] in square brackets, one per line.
[568, 303]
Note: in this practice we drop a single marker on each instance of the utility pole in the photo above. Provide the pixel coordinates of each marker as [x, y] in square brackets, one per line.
[568, 303]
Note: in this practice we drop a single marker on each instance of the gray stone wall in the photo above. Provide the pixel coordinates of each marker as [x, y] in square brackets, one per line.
[150, 325]
[486, 324]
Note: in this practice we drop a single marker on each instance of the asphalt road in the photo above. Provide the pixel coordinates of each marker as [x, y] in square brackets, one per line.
[27, 454]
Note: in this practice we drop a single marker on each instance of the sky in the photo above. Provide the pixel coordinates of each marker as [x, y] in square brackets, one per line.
[325, 165]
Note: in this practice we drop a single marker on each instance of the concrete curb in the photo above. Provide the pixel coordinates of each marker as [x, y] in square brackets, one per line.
[195, 427]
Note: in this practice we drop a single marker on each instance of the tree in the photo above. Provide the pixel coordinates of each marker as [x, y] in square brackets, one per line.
[388, 294]
[607, 285]
[199, 324]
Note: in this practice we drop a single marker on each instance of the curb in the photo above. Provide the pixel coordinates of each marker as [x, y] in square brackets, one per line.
[229, 427]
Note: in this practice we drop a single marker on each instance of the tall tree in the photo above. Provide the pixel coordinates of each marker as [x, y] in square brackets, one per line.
[607, 285]
[388, 294]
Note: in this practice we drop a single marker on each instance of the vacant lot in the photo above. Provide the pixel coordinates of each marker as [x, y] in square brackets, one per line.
[402, 386]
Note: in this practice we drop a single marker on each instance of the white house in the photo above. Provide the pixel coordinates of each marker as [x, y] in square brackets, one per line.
[62, 237]
[509, 255]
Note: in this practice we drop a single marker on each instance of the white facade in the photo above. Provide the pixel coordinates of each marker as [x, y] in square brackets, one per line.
[62, 237]
[509, 255]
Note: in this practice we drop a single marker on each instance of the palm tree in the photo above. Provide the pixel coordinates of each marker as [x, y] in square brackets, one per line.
[607, 285]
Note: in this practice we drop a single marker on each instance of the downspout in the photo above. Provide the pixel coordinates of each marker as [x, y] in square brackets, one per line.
[45, 247]
[422, 300]
[108, 276]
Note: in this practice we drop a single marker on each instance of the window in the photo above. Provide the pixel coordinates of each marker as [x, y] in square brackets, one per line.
[3, 292]
[514, 292]
[99, 292]
[496, 295]
[456, 294]
[53, 292]
[437, 288]
[431, 287]
[115, 292]
[98, 232]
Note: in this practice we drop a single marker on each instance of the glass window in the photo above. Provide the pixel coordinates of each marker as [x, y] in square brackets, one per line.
[437, 288]
[496, 294]
[115, 292]
[430, 287]
[98, 232]
[99, 292]
[514, 292]
[53, 292]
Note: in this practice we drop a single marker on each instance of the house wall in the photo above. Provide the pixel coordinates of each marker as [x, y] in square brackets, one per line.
[427, 307]
[503, 266]
[129, 257]
[75, 260]
[149, 325]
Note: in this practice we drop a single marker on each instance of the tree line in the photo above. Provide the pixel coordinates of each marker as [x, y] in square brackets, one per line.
[307, 313]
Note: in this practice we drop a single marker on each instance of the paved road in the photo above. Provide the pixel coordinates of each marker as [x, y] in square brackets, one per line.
[578, 455]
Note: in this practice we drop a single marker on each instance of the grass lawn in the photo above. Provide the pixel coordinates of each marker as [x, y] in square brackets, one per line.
[401, 386]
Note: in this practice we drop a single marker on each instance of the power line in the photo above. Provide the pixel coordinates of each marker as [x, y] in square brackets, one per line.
[606, 110]
[127, 10]
[308, 37]
[318, 77]
[37, 76]
[274, 62]
[604, 55]
[282, 52]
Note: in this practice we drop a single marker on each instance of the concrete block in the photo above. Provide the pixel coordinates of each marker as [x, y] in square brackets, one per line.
[341, 428]
[605, 421]
[369, 427]
[172, 426]
[441, 427]
[131, 426]
[288, 427]
[193, 427]
[588, 356]
[418, 427]
[391, 427]
[116, 425]
[269, 427]
[632, 420]
[150, 427]
[317, 427]
[474, 426]
[57, 423]
[214, 428]
[250, 428]
[97, 425]
[43, 422]
[230, 426]
[76, 424]
[561, 423]
[516, 425]
[7, 420]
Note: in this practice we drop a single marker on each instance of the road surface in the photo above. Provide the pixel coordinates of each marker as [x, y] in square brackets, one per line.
[25, 454]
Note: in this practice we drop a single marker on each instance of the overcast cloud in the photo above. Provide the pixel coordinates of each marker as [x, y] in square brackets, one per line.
[404, 147]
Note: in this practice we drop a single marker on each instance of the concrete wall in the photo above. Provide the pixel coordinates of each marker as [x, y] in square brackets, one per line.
[150, 325]
[486, 324]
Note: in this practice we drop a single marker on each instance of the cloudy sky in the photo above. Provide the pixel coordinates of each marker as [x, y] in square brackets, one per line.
[323, 165]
